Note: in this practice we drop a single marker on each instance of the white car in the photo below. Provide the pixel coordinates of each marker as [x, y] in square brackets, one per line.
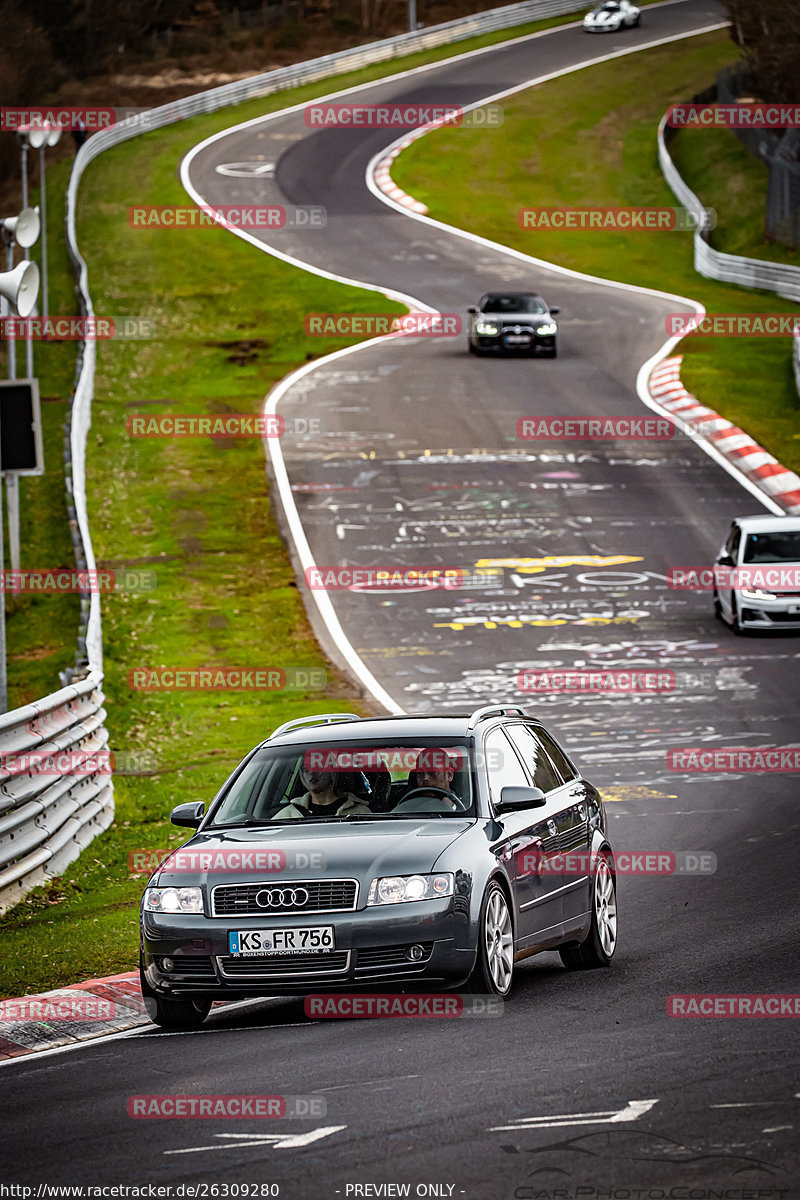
[761, 587]
[612, 16]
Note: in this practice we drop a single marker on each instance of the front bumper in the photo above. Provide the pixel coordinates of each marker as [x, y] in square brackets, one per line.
[499, 345]
[769, 614]
[370, 952]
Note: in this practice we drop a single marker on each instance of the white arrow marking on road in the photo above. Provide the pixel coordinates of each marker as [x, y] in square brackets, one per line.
[279, 1141]
[631, 1112]
[245, 170]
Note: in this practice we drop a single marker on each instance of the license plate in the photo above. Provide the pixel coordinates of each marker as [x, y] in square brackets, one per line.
[518, 339]
[312, 939]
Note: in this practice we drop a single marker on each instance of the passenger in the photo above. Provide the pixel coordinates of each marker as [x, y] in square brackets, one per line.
[326, 796]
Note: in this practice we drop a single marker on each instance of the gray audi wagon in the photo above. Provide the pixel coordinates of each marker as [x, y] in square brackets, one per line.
[396, 853]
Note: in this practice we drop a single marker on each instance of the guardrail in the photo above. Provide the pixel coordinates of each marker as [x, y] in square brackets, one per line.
[46, 819]
[48, 816]
[314, 69]
[44, 824]
[780, 278]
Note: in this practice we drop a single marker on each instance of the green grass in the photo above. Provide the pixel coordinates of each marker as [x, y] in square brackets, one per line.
[719, 170]
[598, 147]
[229, 325]
[198, 513]
[42, 630]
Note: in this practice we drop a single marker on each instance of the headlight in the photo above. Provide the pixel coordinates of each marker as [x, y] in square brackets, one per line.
[755, 594]
[486, 327]
[548, 329]
[399, 889]
[173, 900]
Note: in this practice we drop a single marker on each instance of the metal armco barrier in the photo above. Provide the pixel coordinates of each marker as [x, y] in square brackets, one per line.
[780, 278]
[46, 820]
[44, 824]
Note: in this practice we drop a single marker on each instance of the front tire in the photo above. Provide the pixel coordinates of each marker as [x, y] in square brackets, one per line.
[599, 947]
[173, 1014]
[494, 968]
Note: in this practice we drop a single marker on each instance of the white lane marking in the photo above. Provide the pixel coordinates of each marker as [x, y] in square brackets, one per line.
[753, 1104]
[337, 1087]
[278, 1141]
[322, 600]
[777, 1128]
[246, 170]
[631, 1112]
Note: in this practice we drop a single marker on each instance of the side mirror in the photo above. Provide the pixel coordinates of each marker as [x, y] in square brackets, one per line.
[554, 310]
[188, 814]
[473, 308]
[725, 560]
[514, 799]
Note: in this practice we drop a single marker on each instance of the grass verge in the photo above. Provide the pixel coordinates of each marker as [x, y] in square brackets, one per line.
[719, 170]
[197, 512]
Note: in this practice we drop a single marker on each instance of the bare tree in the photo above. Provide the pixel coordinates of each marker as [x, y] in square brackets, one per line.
[767, 33]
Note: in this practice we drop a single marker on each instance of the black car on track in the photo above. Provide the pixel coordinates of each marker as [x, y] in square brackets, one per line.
[514, 323]
[403, 853]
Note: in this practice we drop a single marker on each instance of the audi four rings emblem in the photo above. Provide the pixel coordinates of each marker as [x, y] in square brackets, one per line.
[282, 897]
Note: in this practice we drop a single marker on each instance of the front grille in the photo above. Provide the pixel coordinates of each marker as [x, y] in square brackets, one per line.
[390, 956]
[239, 899]
[284, 965]
[196, 964]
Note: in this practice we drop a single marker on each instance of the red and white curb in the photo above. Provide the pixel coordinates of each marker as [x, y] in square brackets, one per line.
[382, 172]
[77, 1013]
[737, 447]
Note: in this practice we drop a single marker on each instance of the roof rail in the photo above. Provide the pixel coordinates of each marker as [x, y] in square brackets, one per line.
[322, 719]
[496, 710]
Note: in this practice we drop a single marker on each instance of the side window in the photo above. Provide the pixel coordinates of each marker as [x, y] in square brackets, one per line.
[503, 766]
[534, 756]
[562, 763]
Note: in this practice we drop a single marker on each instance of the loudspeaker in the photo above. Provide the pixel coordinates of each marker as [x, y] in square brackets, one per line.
[38, 135]
[25, 228]
[21, 287]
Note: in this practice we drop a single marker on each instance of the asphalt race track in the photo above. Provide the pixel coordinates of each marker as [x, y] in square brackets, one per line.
[418, 463]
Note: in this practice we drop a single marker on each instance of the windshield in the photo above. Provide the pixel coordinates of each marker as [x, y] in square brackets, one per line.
[350, 782]
[772, 547]
[513, 304]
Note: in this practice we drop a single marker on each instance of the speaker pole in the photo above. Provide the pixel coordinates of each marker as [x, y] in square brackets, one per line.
[26, 250]
[43, 206]
[12, 345]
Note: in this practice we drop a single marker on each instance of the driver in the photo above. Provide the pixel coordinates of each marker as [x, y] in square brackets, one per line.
[433, 769]
[326, 796]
